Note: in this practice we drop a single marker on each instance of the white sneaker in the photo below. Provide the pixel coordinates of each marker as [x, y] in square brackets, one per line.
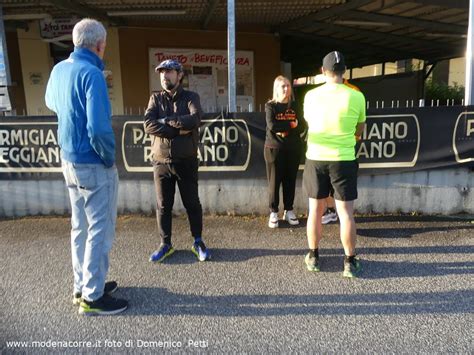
[290, 217]
[329, 216]
[273, 221]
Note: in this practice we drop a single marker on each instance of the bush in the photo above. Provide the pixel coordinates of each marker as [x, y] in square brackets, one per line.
[442, 92]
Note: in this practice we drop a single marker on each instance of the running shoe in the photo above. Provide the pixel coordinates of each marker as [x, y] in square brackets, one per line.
[290, 217]
[161, 254]
[273, 220]
[110, 287]
[199, 249]
[329, 216]
[106, 305]
[312, 262]
[352, 268]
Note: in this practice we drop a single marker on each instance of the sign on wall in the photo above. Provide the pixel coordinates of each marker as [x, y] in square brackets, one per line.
[231, 147]
[53, 28]
[463, 138]
[389, 141]
[29, 147]
[224, 145]
[206, 74]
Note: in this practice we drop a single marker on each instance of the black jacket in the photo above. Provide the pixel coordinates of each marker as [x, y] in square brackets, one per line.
[166, 120]
[279, 132]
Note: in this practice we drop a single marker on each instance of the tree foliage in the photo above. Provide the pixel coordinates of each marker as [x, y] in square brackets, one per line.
[443, 92]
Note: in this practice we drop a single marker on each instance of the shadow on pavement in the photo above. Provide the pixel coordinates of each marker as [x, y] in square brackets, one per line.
[409, 218]
[158, 301]
[387, 233]
[181, 257]
[436, 249]
[386, 269]
[239, 255]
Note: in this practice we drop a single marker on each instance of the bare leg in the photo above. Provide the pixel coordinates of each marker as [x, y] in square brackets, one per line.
[345, 209]
[330, 202]
[314, 228]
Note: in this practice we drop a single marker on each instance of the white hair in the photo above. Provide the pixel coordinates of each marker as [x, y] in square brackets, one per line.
[87, 33]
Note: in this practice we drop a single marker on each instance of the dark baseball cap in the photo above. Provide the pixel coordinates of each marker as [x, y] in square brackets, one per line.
[334, 61]
[169, 64]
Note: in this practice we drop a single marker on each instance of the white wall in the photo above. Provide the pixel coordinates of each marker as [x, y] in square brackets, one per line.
[369, 70]
[446, 192]
[457, 70]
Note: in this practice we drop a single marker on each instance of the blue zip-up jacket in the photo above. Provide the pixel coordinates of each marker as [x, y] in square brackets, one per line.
[77, 92]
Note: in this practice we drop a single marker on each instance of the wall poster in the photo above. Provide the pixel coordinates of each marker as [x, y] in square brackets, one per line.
[206, 74]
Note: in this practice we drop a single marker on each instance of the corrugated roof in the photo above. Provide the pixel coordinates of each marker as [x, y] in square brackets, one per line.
[367, 31]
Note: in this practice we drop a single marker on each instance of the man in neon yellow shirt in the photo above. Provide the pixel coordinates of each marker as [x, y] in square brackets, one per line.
[336, 115]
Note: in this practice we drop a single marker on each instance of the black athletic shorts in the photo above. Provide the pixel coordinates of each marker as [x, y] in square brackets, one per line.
[318, 176]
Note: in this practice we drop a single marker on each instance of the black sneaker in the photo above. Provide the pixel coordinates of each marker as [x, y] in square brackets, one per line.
[110, 287]
[352, 268]
[106, 305]
[312, 262]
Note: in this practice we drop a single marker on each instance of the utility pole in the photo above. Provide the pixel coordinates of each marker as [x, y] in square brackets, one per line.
[468, 95]
[232, 92]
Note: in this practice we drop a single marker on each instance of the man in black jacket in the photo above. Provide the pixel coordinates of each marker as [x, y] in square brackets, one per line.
[172, 119]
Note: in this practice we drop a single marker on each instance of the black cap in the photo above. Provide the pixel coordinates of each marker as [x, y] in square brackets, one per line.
[169, 64]
[334, 61]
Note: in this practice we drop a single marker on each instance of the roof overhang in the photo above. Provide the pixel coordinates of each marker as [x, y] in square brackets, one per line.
[366, 31]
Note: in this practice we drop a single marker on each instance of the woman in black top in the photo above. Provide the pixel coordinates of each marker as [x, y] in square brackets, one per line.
[283, 149]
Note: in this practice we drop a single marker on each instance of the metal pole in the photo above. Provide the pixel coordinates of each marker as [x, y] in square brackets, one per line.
[231, 55]
[468, 95]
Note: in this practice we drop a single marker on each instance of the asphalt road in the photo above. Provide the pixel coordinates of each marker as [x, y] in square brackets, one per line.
[415, 294]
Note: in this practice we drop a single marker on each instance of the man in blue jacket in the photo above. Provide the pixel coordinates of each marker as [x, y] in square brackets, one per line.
[77, 92]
